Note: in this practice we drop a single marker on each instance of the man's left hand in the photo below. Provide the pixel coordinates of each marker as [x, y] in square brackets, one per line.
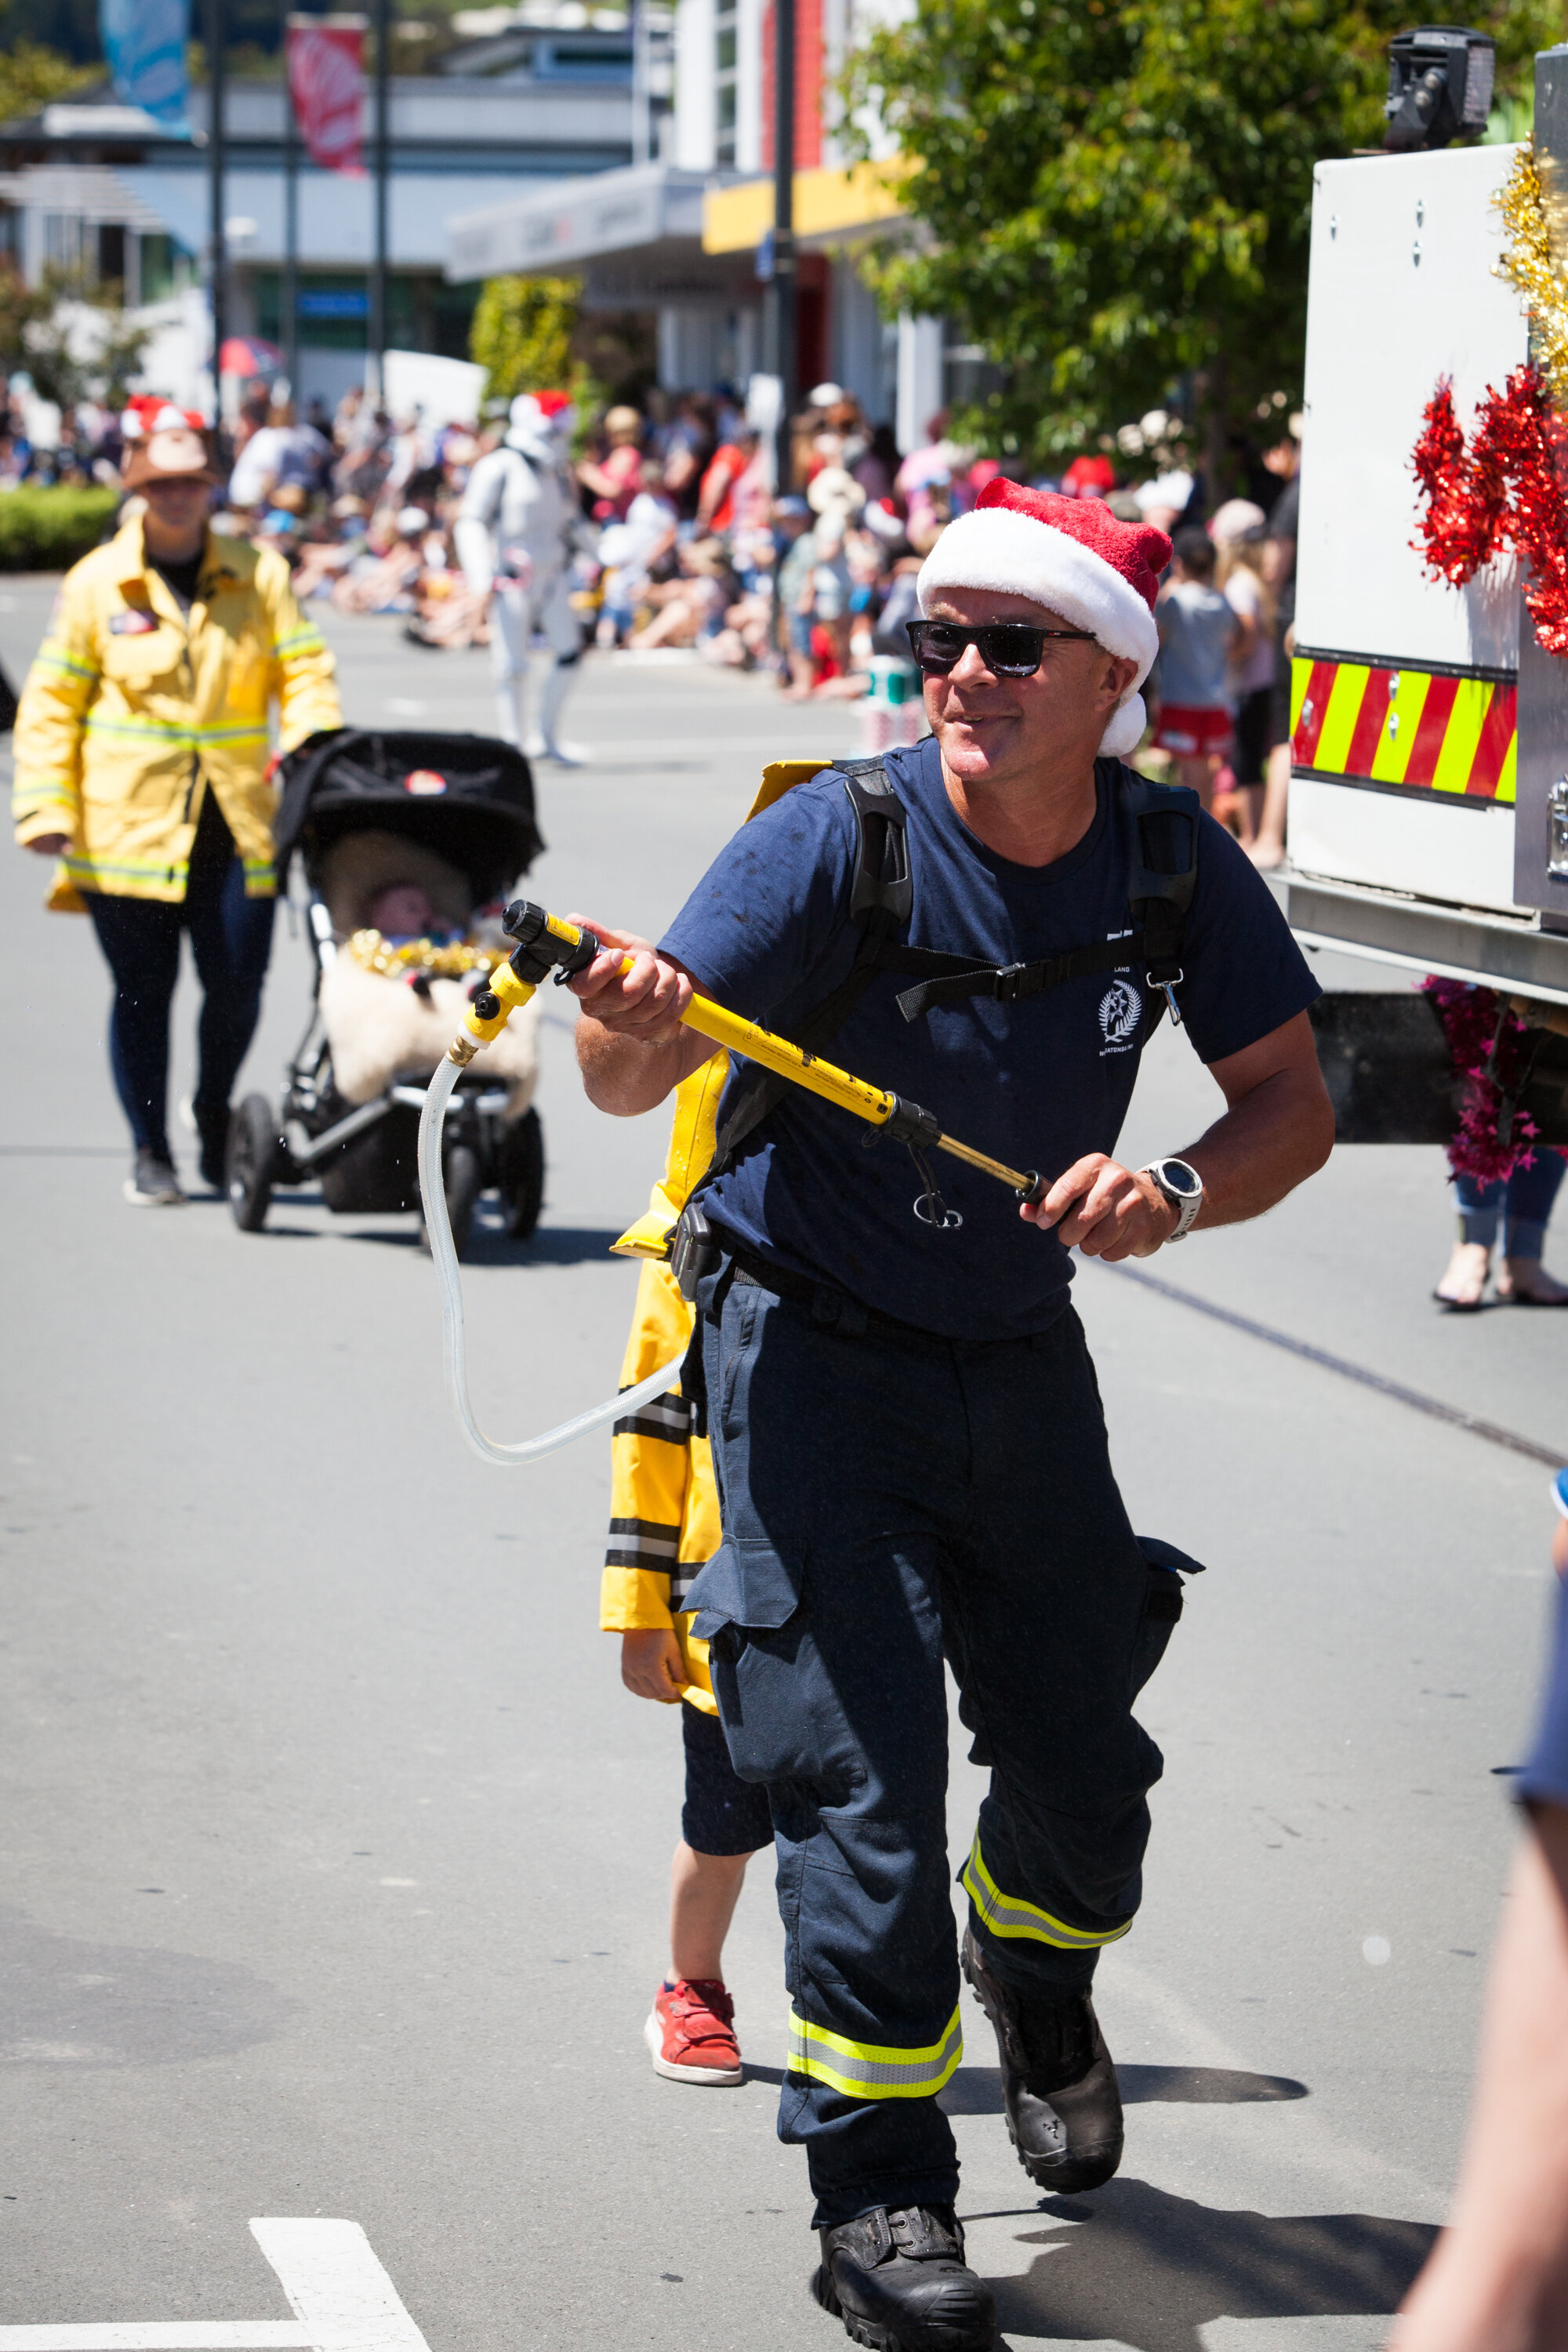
[1105, 1211]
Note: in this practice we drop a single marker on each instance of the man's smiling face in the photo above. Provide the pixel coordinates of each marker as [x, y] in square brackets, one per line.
[994, 731]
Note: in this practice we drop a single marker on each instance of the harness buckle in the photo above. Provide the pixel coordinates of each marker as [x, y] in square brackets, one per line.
[1010, 983]
[1166, 986]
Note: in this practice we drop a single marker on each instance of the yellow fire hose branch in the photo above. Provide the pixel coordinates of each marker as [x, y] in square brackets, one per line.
[546, 945]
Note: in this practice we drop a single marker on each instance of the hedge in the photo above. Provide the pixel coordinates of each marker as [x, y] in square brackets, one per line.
[47, 530]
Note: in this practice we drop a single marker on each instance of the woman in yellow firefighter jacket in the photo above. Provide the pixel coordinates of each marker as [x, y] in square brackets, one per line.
[141, 765]
[664, 1528]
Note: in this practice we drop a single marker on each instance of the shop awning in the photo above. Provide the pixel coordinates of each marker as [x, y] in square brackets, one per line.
[652, 209]
[826, 203]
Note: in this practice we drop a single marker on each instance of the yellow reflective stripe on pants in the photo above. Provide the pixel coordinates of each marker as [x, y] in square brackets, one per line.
[868, 2070]
[1009, 1915]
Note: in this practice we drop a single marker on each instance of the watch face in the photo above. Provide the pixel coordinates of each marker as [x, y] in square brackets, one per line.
[1178, 1178]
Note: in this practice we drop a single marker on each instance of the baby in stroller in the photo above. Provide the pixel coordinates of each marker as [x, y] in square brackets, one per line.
[414, 950]
[410, 843]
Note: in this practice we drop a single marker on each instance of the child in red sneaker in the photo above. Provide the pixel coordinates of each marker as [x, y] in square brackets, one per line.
[664, 1527]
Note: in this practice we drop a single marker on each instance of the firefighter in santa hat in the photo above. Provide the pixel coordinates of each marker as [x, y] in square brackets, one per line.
[907, 1437]
[511, 537]
[142, 767]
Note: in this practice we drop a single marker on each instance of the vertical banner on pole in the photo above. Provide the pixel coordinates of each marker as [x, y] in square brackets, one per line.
[144, 44]
[326, 86]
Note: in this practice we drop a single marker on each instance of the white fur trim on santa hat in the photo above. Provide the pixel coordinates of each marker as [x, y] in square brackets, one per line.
[1015, 555]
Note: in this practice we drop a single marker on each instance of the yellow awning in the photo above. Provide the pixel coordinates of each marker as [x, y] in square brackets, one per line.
[825, 204]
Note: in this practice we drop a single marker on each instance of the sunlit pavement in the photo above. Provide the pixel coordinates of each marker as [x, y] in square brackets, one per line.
[335, 1855]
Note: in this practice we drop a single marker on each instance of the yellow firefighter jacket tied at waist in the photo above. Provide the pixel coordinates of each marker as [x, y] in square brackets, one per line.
[664, 1506]
[134, 710]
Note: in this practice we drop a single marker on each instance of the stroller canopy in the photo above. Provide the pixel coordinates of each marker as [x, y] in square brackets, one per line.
[469, 798]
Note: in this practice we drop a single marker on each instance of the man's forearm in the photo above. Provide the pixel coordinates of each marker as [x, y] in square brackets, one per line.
[1267, 1144]
[625, 1076]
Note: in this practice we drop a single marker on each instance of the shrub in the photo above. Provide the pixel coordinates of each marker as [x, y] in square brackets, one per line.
[47, 530]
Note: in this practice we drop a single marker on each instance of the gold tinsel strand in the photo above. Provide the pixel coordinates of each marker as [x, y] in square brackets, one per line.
[1533, 273]
[376, 954]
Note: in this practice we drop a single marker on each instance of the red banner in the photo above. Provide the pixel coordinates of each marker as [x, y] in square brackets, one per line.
[326, 85]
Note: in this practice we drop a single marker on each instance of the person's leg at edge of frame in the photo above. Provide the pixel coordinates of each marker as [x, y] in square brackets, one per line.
[1463, 1283]
[231, 942]
[1524, 1280]
[141, 942]
[689, 2031]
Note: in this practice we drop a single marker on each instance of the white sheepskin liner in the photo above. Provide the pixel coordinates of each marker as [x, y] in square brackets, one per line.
[1014, 555]
[380, 1030]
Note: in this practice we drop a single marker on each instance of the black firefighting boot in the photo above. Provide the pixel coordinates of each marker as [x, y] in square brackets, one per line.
[897, 2281]
[1064, 2107]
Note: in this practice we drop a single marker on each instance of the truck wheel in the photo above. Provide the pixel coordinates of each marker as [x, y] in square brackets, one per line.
[250, 1160]
[522, 1174]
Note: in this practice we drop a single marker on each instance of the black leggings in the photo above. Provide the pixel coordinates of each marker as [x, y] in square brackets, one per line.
[231, 938]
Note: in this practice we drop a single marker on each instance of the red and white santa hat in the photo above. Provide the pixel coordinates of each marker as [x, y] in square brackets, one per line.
[1072, 556]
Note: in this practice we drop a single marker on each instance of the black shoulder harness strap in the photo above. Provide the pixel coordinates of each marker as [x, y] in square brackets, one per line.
[1160, 891]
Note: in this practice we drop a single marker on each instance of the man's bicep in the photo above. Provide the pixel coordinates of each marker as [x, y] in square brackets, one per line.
[1290, 1047]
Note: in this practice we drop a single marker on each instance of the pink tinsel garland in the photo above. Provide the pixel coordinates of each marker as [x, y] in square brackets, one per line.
[1469, 1018]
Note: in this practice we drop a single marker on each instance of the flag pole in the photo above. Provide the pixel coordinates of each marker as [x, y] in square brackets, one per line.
[377, 369]
[291, 304]
[218, 290]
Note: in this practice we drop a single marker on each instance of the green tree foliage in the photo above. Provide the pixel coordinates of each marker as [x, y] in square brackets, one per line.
[32, 77]
[1115, 200]
[73, 338]
[521, 334]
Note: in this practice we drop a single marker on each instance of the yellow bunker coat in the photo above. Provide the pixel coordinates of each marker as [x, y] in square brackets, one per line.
[133, 710]
[664, 1506]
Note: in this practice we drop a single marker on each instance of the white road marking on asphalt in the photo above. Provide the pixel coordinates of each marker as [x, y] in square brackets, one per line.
[161, 2336]
[342, 2300]
[336, 2285]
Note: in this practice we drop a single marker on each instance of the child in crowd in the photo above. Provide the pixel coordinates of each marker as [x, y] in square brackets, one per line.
[1198, 634]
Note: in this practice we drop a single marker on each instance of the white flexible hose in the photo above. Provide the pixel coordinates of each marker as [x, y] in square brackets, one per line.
[433, 1192]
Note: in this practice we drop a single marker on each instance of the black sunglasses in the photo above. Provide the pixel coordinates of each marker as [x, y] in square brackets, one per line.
[1008, 648]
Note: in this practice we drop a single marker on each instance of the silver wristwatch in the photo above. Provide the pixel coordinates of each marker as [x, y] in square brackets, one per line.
[1182, 1187]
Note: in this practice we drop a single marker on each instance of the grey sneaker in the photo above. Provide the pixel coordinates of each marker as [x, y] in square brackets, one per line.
[152, 1183]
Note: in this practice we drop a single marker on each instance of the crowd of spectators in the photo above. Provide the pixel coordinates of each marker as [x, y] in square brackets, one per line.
[684, 542]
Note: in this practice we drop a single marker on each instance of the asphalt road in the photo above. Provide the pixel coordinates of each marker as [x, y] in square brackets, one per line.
[334, 1855]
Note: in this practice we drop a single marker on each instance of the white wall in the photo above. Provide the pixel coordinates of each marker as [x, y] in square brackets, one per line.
[920, 378]
[694, 132]
[749, 86]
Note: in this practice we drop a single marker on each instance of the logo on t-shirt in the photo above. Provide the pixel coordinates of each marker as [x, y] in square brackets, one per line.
[1121, 1011]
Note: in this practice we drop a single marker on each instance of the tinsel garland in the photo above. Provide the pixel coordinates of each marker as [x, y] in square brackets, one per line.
[1469, 1018]
[1530, 268]
[1502, 492]
[448, 963]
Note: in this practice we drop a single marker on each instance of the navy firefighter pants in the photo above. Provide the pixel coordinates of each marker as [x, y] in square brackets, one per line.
[888, 1502]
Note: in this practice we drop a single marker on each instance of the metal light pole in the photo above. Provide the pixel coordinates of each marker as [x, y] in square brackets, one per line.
[383, 21]
[290, 321]
[781, 315]
[218, 288]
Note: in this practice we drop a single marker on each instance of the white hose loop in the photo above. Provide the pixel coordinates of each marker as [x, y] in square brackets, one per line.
[433, 1192]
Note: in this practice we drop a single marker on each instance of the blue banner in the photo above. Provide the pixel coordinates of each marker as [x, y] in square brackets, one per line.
[145, 42]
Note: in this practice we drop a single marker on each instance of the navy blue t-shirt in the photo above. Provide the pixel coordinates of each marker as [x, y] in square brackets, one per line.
[1038, 1085]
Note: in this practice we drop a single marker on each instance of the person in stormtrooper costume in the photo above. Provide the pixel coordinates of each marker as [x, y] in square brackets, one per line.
[511, 537]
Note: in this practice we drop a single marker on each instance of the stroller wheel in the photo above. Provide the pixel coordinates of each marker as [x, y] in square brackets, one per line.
[521, 1175]
[250, 1162]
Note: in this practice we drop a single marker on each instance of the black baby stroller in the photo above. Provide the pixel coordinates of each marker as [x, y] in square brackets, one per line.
[435, 828]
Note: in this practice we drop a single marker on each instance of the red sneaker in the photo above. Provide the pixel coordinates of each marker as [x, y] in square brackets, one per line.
[691, 2033]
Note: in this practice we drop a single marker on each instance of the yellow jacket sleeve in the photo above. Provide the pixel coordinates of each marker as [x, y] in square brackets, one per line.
[304, 674]
[47, 794]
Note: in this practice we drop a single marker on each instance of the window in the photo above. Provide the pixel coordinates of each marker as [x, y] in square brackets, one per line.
[724, 105]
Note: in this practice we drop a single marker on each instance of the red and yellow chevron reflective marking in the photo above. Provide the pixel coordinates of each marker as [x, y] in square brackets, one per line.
[1406, 727]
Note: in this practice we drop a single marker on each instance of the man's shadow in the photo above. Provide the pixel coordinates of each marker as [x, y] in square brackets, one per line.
[1149, 2270]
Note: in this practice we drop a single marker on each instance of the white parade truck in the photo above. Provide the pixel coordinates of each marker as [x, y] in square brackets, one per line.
[1429, 817]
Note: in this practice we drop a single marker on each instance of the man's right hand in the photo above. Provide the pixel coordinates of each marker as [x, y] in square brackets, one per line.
[631, 990]
[48, 844]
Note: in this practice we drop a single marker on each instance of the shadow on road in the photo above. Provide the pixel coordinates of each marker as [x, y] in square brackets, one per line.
[490, 1246]
[977, 2090]
[66, 2003]
[1149, 2270]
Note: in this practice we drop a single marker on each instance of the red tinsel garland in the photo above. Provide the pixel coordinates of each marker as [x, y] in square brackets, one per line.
[1504, 491]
